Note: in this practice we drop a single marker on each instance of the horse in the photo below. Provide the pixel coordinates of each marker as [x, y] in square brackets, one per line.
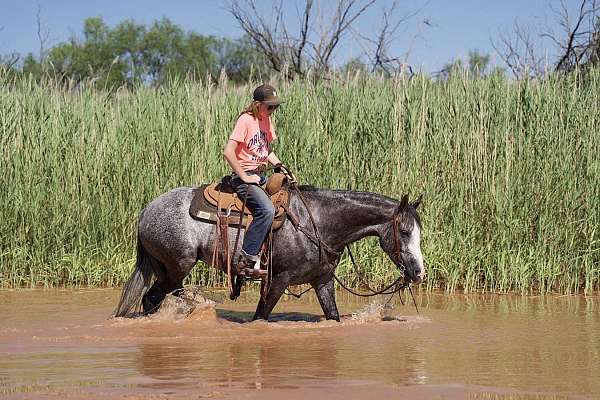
[171, 241]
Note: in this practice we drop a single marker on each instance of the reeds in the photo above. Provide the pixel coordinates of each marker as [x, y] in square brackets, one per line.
[509, 172]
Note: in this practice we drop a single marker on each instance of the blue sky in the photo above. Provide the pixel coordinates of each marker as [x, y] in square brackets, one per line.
[454, 26]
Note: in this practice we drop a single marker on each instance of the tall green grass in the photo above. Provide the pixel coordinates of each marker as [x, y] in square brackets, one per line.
[509, 172]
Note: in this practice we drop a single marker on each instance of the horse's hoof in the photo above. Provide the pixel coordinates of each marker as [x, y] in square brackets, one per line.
[149, 307]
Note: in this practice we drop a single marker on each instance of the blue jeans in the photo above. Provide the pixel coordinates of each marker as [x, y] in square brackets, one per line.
[261, 207]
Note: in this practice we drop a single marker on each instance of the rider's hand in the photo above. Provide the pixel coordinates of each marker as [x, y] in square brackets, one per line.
[292, 177]
[251, 178]
[286, 171]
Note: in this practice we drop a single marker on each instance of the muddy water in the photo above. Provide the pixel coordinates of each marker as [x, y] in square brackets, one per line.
[61, 344]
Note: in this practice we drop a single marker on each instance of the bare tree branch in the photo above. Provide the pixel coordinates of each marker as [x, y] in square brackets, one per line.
[519, 53]
[577, 44]
[9, 62]
[292, 53]
[578, 38]
[343, 18]
[43, 34]
[377, 48]
[303, 35]
[258, 30]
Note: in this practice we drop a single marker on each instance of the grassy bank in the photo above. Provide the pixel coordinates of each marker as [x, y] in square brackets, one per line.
[509, 170]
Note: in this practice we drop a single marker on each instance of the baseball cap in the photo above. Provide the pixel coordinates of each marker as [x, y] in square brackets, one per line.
[266, 94]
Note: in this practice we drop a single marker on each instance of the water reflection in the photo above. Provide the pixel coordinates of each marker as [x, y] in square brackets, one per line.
[251, 360]
[538, 344]
[274, 356]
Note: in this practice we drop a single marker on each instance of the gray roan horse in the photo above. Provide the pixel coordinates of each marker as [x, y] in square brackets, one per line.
[170, 242]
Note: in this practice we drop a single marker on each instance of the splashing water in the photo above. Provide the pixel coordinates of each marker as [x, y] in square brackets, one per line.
[189, 303]
[373, 312]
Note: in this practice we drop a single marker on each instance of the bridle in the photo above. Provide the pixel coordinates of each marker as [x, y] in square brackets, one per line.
[397, 247]
[395, 287]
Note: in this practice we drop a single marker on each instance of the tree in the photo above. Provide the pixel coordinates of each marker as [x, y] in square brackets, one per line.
[477, 65]
[377, 48]
[94, 58]
[312, 47]
[240, 60]
[355, 67]
[578, 45]
[169, 52]
[128, 54]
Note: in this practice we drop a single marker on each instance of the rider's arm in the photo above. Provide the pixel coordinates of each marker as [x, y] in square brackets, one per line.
[229, 154]
[273, 159]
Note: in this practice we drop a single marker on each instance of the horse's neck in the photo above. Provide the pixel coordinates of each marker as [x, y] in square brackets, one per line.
[346, 216]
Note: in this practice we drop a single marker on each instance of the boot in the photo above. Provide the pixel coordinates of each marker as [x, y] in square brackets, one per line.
[247, 268]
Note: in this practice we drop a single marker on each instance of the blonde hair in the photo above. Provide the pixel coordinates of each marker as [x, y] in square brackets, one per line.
[251, 109]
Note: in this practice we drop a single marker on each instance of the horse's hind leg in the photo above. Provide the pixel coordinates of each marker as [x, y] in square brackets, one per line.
[165, 283]
[153, 298]
[326, 294]
[157, 293]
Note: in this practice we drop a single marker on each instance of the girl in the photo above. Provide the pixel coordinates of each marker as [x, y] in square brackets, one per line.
[247, 152]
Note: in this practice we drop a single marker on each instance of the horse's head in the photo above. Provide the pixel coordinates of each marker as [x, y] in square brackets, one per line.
[402, 240]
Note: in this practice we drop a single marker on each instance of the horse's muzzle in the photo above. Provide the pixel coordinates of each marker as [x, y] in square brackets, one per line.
[416, 276]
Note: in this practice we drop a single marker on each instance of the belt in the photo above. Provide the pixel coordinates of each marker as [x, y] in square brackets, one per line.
[260, 170]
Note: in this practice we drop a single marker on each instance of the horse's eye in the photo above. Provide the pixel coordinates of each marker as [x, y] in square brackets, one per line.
[404, 232]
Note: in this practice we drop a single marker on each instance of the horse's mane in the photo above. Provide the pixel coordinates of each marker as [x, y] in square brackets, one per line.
[371, 196]
[341, 192]
[309, 188]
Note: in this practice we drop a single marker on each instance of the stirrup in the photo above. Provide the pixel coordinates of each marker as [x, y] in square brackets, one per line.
[254, 273]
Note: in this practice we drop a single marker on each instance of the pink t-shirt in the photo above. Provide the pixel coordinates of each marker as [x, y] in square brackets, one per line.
[254, 137]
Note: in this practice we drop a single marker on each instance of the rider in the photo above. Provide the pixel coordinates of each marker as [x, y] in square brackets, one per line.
[248, 151]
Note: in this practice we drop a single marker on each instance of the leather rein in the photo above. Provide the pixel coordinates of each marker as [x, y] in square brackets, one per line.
[395, 287]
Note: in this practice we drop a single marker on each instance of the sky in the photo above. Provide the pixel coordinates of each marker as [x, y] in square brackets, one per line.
[442, 30]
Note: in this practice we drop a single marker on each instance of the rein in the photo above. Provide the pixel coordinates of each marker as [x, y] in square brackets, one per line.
[399, 287]
[316, 239]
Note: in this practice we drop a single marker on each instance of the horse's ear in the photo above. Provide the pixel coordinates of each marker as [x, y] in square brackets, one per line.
[403, 202]
[418, 201]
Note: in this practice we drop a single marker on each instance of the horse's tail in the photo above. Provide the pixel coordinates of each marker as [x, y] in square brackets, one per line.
[138, 283]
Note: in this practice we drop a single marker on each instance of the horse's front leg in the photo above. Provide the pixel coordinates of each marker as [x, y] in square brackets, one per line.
[326, 294]
[268, 302]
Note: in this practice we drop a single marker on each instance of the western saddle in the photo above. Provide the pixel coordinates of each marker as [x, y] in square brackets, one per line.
[218, 203]
[218, 199]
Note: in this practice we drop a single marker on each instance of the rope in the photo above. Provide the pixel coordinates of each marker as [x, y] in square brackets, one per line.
[316, 239]
[382, 291]
[399, 286]
[239, 229]
[312, 220]
[360, 276]
[288, 292]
